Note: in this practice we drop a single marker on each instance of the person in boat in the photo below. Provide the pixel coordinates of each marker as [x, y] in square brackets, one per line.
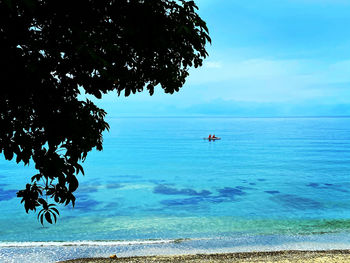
[209, 137]
[214, 137]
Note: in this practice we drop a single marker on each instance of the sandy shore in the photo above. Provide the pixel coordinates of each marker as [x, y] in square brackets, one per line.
[330, 256]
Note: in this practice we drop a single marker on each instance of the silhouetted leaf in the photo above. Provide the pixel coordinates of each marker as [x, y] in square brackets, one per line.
[79, 168]
[48, 217]
[36, 177]
[150, 88]
[73, 184]
[42, 202]
[8, 154]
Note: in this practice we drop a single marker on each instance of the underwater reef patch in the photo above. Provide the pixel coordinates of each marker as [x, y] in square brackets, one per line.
[167, 190]
[296, 202]
[7, 194]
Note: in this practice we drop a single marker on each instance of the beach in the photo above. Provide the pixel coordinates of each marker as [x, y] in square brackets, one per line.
[328, 256]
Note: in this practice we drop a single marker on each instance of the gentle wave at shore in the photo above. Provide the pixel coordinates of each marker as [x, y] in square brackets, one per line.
[83, 243]
[38, 252]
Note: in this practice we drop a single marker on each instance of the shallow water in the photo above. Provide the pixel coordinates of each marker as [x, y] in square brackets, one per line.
[158, 179]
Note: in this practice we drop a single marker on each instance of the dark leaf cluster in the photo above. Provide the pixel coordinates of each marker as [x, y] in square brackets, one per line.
[52, 51]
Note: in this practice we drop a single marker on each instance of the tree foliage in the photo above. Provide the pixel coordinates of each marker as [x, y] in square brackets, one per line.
[52, 50]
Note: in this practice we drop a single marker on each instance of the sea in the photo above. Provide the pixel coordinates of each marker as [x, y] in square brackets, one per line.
[158, 187]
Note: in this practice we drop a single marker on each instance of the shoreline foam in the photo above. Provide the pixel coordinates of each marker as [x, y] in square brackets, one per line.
[55, 251]
[84, 243]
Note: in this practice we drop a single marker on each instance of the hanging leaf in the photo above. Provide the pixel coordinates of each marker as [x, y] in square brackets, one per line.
[48, 217]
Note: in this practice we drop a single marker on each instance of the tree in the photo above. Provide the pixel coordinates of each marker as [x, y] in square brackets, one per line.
[52, 50]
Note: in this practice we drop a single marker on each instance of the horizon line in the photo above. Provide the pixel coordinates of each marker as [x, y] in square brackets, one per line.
[229, 116]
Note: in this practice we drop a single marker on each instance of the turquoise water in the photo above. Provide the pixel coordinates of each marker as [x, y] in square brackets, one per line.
[268, 181]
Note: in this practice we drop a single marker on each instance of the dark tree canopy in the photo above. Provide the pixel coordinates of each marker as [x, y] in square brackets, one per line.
[50, 50]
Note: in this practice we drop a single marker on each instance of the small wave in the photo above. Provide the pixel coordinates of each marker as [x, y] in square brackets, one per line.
[87, 243]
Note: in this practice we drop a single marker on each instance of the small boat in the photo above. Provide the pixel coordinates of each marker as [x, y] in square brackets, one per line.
[212, 139]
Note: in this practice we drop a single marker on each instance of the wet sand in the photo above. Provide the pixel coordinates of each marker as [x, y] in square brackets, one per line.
[329, 256]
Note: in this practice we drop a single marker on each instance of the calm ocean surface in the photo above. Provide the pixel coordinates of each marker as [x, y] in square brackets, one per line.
[270, 182]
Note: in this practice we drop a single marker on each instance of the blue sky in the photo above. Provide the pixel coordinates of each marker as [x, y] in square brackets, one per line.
[268, 58]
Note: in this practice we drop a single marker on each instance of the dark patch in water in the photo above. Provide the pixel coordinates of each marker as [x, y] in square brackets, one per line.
[7, 194]
[244, 188]
[90, 189]
[261, 180]
[296, 202]
[226, 194]
[157, 181]
[230, 192]
[125, 179]
[84, 196]
[272, 192]
[130, 176]
[111, 205]
[181, 202]
[166, 190]
[313, 185]
[218, 199]
[86, 205]
[252, 183]
[327, 186]
[114, 186]
[195, 200]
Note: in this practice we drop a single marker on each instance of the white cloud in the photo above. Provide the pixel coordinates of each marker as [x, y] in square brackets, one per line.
[272, 80]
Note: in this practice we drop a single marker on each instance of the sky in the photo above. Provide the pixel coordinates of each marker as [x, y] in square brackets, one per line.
[267, 58]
